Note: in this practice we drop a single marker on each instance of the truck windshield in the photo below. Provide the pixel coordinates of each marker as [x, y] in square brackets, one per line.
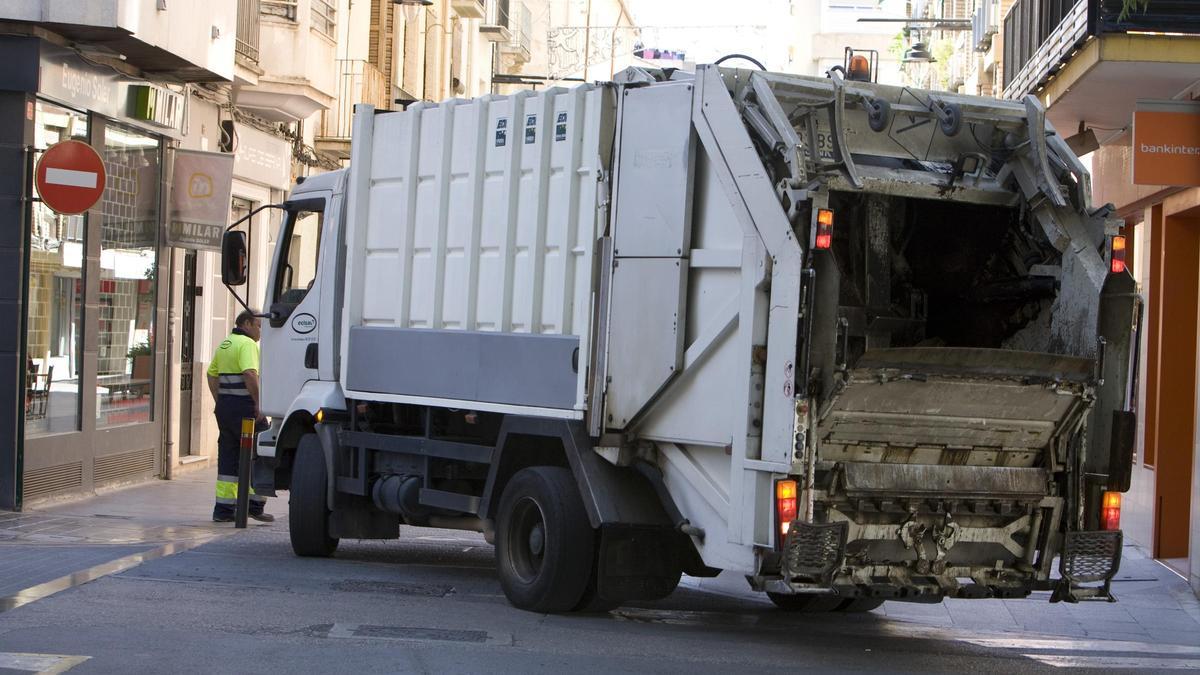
[299, 257]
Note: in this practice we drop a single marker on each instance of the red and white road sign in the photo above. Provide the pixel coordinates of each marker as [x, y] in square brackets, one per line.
[70, 177]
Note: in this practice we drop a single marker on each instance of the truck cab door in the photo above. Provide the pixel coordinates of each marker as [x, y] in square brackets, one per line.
[290, 335]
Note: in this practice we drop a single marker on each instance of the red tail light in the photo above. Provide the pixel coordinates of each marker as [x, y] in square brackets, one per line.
[1110, 511]
[1117, 257]
[824, 229]
[786, 508]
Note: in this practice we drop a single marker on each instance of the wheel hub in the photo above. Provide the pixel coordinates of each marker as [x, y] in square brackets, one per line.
[537, 539]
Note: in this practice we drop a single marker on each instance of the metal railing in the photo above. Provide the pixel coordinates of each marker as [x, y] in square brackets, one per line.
[246, 43]
[521, 26]
[1040, 34]
[358, 82]
[324, 18]
[983, 25]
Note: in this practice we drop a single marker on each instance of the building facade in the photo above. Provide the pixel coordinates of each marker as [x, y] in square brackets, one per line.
[1093, 69]
[85, 298]
[823, 29]
[107, 329]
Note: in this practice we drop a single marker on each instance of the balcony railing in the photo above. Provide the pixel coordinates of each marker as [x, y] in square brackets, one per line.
[983, 25]
[358, 82]
[520, 27]
[1041, 34]
[246, 45]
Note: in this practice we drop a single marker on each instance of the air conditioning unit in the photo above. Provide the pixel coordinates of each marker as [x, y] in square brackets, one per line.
[469, 9]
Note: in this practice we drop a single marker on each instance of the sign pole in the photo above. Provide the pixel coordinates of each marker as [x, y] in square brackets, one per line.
[243, 485]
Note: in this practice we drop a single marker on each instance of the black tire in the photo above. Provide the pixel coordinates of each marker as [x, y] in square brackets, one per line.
[860, 605]
[592, 602]
[811, 604]
[544, 542]
[308, 513]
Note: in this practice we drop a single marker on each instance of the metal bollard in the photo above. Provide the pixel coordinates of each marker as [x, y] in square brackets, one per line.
[242, 510]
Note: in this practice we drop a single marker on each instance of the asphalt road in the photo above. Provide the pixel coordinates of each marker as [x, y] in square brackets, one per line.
[431, 603]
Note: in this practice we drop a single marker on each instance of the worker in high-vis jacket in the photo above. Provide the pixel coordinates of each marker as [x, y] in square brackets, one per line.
[233, 382]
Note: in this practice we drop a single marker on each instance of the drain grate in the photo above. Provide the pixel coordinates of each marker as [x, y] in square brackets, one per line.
[394, 588]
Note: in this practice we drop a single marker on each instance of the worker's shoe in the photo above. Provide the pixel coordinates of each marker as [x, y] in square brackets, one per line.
[222, 519]
[263, 517]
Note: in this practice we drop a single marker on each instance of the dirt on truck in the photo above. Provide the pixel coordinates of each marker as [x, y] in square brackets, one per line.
[854, 342]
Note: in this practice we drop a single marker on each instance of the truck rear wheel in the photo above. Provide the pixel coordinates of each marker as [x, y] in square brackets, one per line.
[308, 513]
[544, 542]
[801, 602]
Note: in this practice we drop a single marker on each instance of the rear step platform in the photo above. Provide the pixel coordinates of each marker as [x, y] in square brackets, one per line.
[1088, 558]
[813, 553]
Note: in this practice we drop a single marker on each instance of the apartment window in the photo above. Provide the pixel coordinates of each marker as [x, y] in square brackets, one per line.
[324, 18]
[285, 9]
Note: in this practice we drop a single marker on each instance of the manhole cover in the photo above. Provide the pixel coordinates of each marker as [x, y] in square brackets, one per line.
[395, 588]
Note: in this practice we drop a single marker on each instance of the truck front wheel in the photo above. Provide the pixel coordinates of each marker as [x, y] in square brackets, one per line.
[544, 542]
[308, 513]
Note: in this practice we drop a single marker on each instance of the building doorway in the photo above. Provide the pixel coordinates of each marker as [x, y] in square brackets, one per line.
[187, 352]
[1172, 385]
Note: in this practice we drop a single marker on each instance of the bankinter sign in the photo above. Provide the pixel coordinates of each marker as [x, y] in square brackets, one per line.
[1166, 143]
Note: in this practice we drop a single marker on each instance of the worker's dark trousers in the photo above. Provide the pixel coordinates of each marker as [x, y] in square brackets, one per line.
[230, 412]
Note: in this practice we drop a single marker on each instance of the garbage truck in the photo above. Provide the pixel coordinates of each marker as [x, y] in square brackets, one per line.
[854, 342]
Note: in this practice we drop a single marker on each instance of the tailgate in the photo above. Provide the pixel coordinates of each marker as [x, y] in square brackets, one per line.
[954, 406]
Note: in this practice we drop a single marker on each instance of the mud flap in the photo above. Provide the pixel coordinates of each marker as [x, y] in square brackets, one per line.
[1088, 558]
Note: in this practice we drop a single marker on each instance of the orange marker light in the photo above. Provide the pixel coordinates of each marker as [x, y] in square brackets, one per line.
[1110, 511]
[786, 505]
[1117, 257]
[824, 229]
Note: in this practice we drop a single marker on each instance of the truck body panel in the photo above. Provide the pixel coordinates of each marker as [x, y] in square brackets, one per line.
[477, 219]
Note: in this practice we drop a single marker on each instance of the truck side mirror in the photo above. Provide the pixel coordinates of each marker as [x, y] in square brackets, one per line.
[233, 258]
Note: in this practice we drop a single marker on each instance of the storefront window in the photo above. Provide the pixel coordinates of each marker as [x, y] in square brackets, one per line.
[53, 337]
[128, 277]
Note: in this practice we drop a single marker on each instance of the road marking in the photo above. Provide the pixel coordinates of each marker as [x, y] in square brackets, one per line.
[43, 664]
[1082, 645]
[1107, 661]
[71, 178]
[45, 590]
[1091, 653]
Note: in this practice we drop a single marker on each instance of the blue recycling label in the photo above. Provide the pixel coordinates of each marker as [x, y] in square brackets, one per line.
[560, 127]
[530, 129]
[501, 132]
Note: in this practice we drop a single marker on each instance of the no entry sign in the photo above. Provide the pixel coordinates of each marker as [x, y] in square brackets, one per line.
[70, 177]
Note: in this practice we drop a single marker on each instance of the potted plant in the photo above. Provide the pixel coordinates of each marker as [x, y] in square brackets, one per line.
[143, 360]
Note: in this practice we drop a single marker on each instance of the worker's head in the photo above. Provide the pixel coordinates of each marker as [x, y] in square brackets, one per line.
[249, 324]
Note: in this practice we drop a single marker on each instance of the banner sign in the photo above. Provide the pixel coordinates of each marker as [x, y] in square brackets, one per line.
[1166, 143]
[201, 194]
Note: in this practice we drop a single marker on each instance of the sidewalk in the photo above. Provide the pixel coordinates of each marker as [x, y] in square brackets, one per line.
[56, 546]
[1154, 605]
